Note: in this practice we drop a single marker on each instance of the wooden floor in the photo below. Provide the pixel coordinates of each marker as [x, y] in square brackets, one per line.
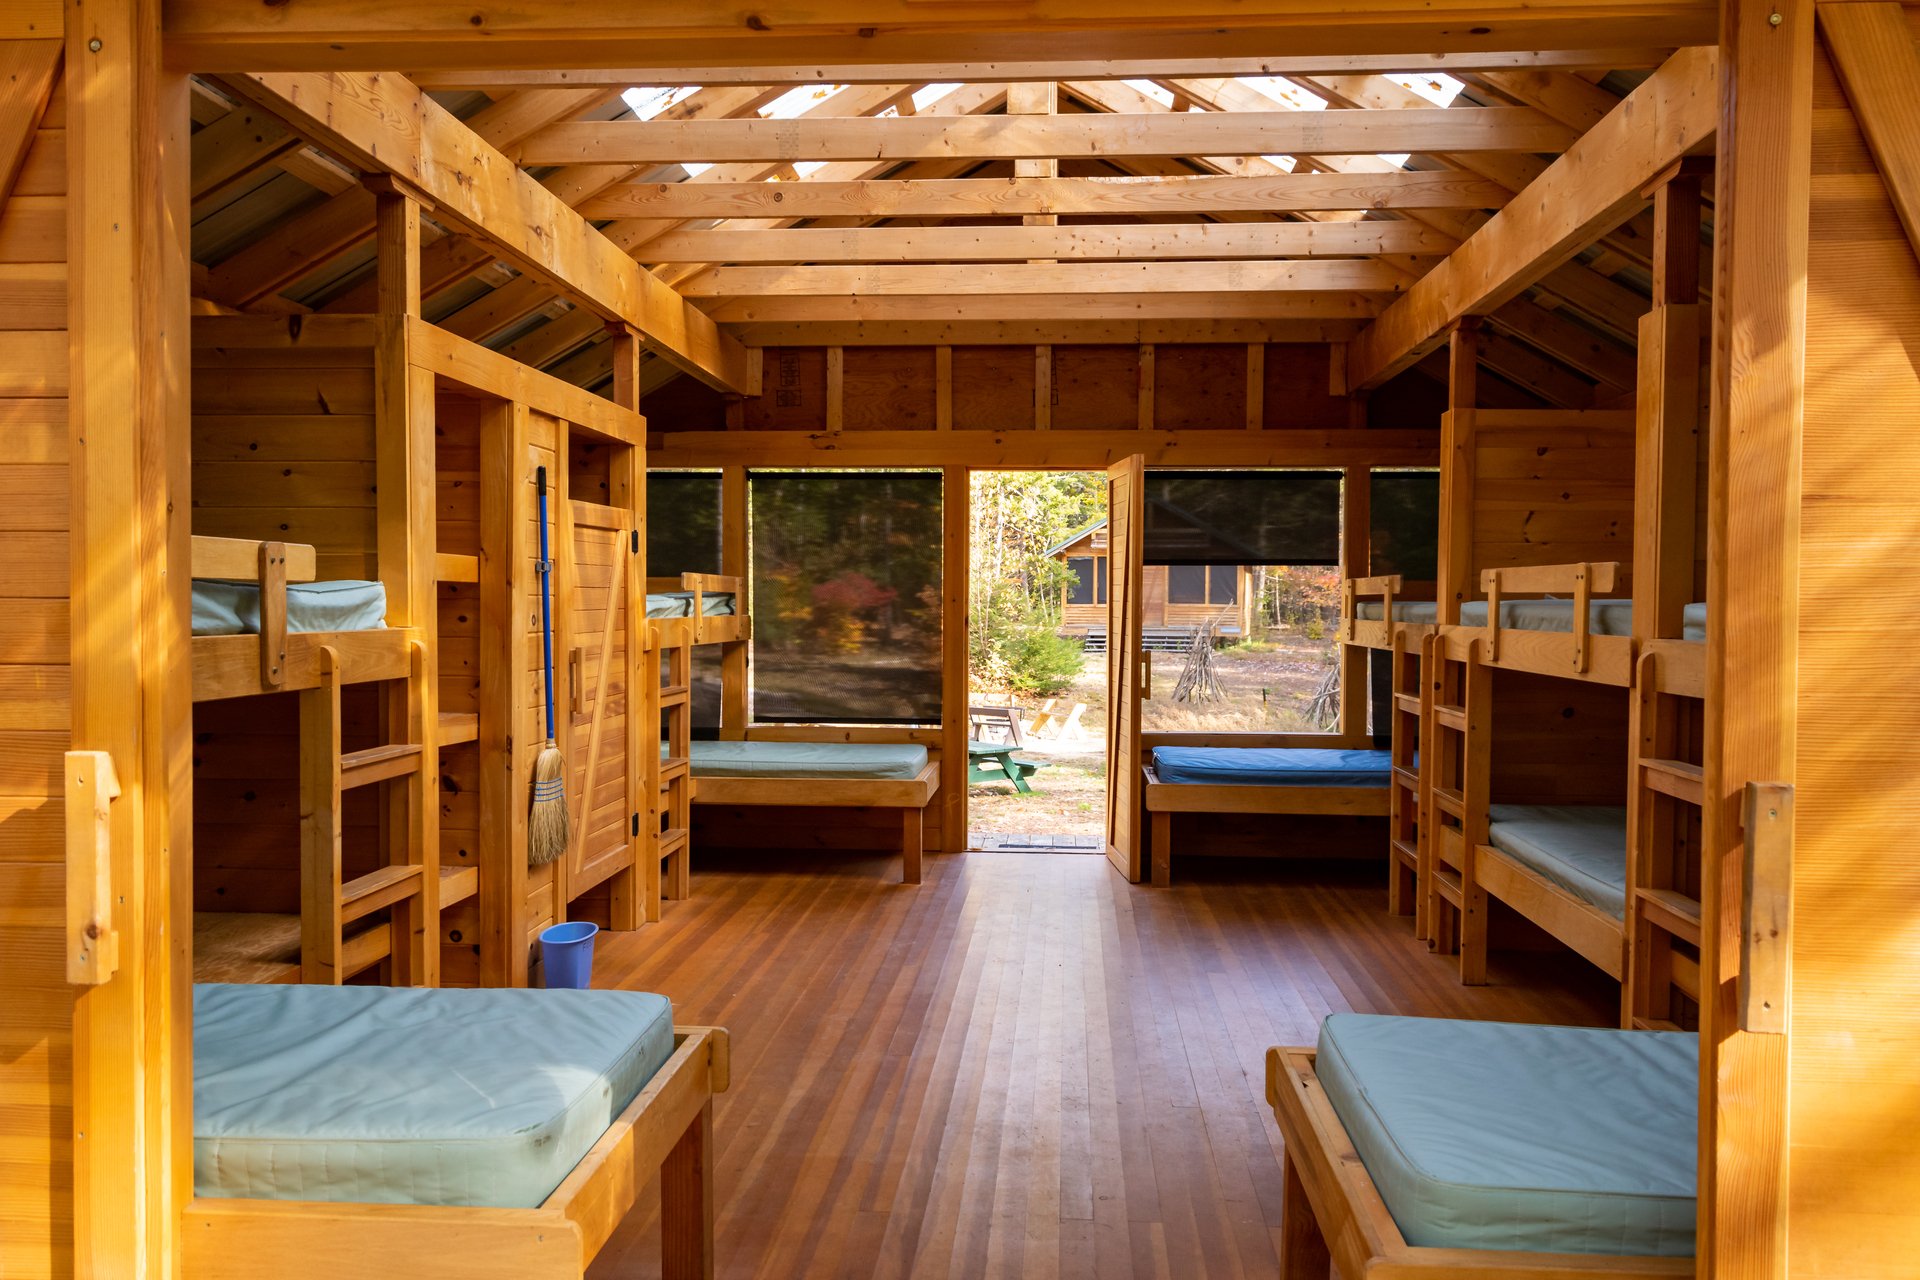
[1025, 1067]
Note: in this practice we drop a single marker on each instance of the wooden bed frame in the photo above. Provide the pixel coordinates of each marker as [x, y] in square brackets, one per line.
[909, 795]
[1333, 1214]
[726, 628]
[1164, 799]
[272, 661]
[667, 1129]
[1571, 655]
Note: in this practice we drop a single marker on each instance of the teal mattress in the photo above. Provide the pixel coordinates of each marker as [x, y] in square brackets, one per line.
[1581, 848]
[409, 1095]
[222, 608]
[1604, 617]
[679, 604]
[1273, 766]
[1489, 1135]
[846, 760]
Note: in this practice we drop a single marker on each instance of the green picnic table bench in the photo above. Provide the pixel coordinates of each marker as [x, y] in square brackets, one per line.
[996, 762]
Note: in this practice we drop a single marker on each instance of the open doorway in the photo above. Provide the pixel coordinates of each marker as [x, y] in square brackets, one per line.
[1037, 611]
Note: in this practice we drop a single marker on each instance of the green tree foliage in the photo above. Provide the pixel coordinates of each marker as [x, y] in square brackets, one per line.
[1015, 588]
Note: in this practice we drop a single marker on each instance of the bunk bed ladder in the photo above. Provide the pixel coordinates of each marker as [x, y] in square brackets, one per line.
[1403, 813]
[1663, 906]
[335, 941]
[670, 669]
[1455, 768]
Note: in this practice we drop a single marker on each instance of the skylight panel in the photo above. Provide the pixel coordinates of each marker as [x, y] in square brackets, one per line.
[648, 103]
[798, 101]
[928, 94]
[1152, 90]
[1284, 92]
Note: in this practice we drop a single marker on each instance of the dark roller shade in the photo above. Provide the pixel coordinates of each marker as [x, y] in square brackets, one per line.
[846, 597]
[1243, 517]
[683, 523]
[1081, 589]
[1405, 518]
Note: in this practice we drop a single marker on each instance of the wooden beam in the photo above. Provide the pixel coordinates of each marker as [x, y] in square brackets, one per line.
[384, 123]
[1873, 53]
[1537, 60]
[1027, 333]
[1026, 278]
[1046, 137]
[1016, 197]
[1219, 240]
[1024, 447]
[1055, 308]
[227, 35]
[27, 71]
[1588, 190]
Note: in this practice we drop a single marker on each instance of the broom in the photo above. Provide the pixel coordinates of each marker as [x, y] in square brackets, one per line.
[547, 822]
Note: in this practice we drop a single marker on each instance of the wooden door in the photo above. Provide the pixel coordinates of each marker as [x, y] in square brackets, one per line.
[1126, 514]
[600, 783]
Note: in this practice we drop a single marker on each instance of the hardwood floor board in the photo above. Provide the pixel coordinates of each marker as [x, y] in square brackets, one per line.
[1024, 1067]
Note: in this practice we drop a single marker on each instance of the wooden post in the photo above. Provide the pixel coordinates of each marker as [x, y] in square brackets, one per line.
[633, 893]
[507, 737]
[1667, 440]
[1355, 532]
[131, 684]
[1758, 382]
[686, 1202]
[1457, 468]
[735, 667]
[957, 496]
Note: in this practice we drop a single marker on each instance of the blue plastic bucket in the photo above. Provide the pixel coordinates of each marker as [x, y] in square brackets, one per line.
[566, 954]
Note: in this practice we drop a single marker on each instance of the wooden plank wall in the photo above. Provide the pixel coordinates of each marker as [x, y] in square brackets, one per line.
[1552, 488]
[1855, 1034]
[36, 1013]
[283, 448]
[1088, 388]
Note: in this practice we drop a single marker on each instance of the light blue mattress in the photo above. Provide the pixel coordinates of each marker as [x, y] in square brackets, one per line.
[222, 608]
[1489, 1135]
[679, 604]
[1604, 617]
[1273, 766]
[862, 760]
[411, 1095]
[1581, 848]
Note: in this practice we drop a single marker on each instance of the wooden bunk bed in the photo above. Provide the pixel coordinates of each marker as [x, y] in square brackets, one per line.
[1344, 1193]
[1400, 628]
[340, 1216]
[1614, 874]
[692, 609]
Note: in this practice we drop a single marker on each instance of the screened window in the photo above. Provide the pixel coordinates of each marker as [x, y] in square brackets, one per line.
[1223, 582]
[683, 523]
[846, 596]
[1187, 584]
[1404, 515]
[1085, 587]
[1100, 571]
[1242, 517]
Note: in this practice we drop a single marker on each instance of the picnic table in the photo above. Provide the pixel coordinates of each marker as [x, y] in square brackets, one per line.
[996, 762]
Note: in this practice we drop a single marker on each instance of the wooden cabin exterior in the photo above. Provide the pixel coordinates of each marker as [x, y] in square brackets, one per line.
[1181, 600]
[327, 291]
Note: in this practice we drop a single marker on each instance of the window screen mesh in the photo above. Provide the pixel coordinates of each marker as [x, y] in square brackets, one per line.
[1243, 517]
[846, 597]
[1081, 589]
[683, 523]
[1405, 516]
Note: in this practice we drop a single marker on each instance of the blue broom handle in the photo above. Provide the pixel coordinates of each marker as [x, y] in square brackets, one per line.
[546, 597]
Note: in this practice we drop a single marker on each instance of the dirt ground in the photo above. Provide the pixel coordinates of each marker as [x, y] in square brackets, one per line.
[1267, 690]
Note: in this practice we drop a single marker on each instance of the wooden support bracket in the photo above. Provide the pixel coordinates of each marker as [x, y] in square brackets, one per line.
[273, 614]
[1766, 923]
[93, 944]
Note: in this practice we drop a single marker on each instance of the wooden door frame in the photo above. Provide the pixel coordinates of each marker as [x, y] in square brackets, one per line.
[1124, 592]
[128, 288]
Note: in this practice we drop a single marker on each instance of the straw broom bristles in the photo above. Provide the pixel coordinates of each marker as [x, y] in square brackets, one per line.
[548, 821]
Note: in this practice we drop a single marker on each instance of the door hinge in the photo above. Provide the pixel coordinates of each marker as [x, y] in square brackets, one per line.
[636, 824]
[636, 542]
